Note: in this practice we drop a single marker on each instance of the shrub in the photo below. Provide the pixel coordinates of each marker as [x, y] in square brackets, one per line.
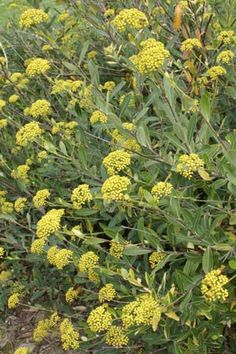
[118, 176]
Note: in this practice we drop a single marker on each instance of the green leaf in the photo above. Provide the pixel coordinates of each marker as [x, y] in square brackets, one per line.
[207, 260]
[132, 250]
[83, 51]
[205, 106]
[232, 264]
[142, 136]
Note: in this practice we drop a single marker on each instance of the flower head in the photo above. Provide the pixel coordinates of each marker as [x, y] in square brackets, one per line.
[117, 161]
[40, 197]
[188, 164]
[115, 187]
[13, 300]
[189, 44]
[40, 108]
[225, 57]
[215, 72]
[80, 196]
[31, 17]
[116, 249]
[116, 337]
[38, 245]
[107, 293]
[37, 66]
[98, 116]
[22, 350]
[21, 172]
[155, 258]
[130, 18]
[28, 133]
[71, 295]
[19, 204]
[212, 286]
[49, 223]
[99, 319]
[69, 337]
[161, 189]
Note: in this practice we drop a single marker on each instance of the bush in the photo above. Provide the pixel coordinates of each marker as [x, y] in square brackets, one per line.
[118, 176]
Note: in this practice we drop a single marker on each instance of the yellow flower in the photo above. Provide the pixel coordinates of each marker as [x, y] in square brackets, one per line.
[19, 204]
[21, 172]
[215, 72]
[115, 187]
[129, 126]
[155, 258]
[59, 258]
[40, 108]
[188, 164]
[63, 16]
[225, 57]
[88, 261]
[116, 249]
[13, 98]
[71, 295]
[3, 123]
[69, 337]
[2, 251]
[151, 57]
[41, 330]
[7, 207]
[2, 104]
[107, 293]
[227, 37]
[80, 196]
[161, 189]
[40, 197]
[141, 311]
[92, 54]
[49, 223]
[130, 18]
[5, 276]
[46, 47]
[212, 286]
[109, 85]
[109, 13]
[37, 66]
[32, 17]
[28, 133]
[22, 350]
[99, 319]
[2, 60]
[13, 300]
[16, 77]
[117, 161]
[98, 116]
[116, 337]
[38, 245]
[42, 155]
[189, 44]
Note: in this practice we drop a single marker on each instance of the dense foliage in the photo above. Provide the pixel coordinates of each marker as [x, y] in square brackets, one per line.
[117, 175]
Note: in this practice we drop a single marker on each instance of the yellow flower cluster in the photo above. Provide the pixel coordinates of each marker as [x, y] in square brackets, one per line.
[28, 133]
[2, 251]
[129, 126]
[32, 17]
[161, 189]
[40, 197]
[114, 188]
[227, 37]
[49, 223]
[38, 245]
[109, 13]
[130, 18]
[22, 350]
[188, 164]
[19, 204]
[42, 155]
[69, 337]
[141, 311]
[215, 72]
[13, 300]
[44, 326]
[98, 116]
[127, 144]
[64, 127]
[92, 54]
[212, 286]
[7, 207]
[109, 85]
[88, 261]
[3, 123]
[116, 249]
[225, 57]
[13, 98]
[2, 104]
[40, 108]
[131, 101]
[80, 196]
[59, 257]
[189, 44]
[117, 161]
[99, 319]
[106, 293]
[60, 86]
[86, 98]
[21, 172]
[151, 57]
[71, 295]
[37, 66]
[116, 337]
[155, 258]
